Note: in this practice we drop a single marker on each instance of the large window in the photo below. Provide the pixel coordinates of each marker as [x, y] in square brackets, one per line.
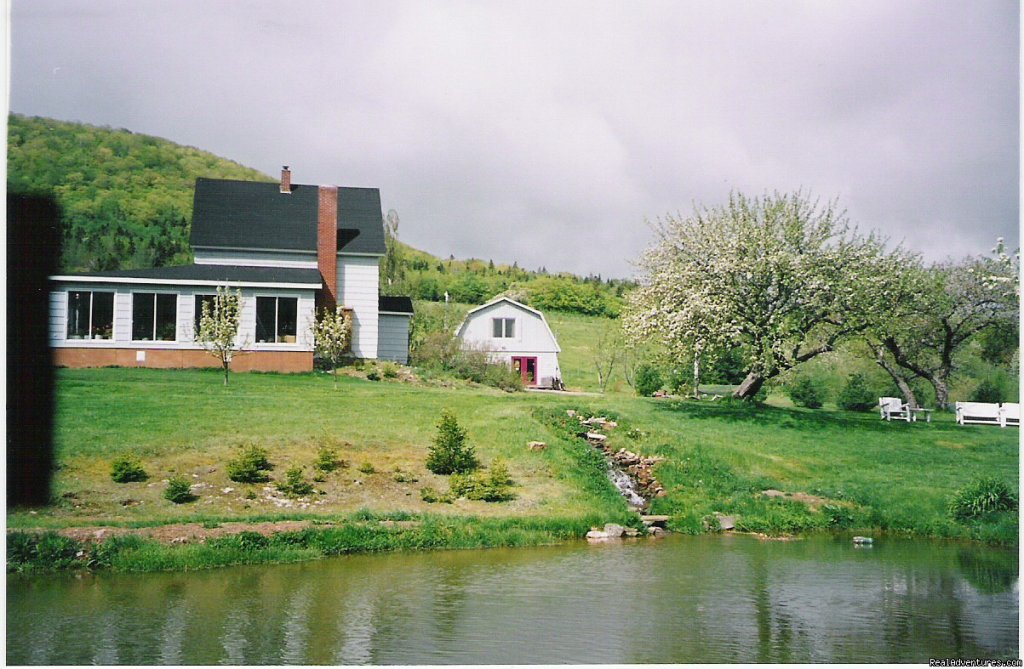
[504, 328]
[154, 316]
[90, 314]
[276, 319]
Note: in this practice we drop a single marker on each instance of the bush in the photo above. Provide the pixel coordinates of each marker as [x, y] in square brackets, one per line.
[981, 496]
[179, 490]
[493, 486]
[327, 460]
[647, 380]
[856, 395]
[367, 468]
[373, 375]
[987, 391]
[430, 495]
[389, 370]
[127, 469]
[250, 465]
[295, 483]
[449, 453]
[806, 392]
[503, 378]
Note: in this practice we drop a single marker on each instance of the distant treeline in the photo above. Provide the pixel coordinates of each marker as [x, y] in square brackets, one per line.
[425, 277]
[126, 199]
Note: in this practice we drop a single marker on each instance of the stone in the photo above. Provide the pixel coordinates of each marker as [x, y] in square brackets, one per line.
[99, 534]
[596, 534]
[613, 530]
[537, 445]
[726, 522]
[863, 540]
[632, 532]
[655, 531]
[654, 520]
[594, 436]
[227, 490]
[773, 493]
[570, 413]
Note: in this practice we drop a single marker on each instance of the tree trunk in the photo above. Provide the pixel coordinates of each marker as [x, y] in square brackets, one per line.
[901, 381]
[334, 367]
[226, 372]
[750, 386]
[696, 377]
[941, 391]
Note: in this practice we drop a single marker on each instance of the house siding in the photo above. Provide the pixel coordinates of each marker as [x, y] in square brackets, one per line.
[255, 258]
[393, 339]
[357, 290]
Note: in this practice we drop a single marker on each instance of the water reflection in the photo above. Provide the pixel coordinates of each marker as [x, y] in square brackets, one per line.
[685, 599]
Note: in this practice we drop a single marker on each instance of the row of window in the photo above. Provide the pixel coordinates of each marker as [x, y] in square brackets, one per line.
[155, 316]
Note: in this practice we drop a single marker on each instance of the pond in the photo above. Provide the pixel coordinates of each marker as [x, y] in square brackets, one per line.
[675, 600]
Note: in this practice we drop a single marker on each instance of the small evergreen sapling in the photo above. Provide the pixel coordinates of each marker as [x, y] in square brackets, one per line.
[450, 454]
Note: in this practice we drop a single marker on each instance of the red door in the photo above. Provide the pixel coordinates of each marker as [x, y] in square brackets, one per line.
[527, 369]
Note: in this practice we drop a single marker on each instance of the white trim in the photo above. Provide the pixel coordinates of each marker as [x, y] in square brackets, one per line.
[184, 282]
[363, 255]
[246, 248]
[131, 306]
[258, 262]
[395, 313]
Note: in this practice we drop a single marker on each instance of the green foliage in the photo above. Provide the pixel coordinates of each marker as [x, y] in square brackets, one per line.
[648, 380]
[856, 395]
[450, 453]
[389, 370]
[431, 496]
[127, 469]
[987, 391]
[179, 490]
[250, 465]
[492, 486]
[982, 496]
[327, 459]
[125, 199]
[41, 552]
[806, 391]
[367, 468]
[295, 483]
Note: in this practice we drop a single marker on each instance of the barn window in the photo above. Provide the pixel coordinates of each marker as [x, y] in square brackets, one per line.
[276, 319]
[504, 328]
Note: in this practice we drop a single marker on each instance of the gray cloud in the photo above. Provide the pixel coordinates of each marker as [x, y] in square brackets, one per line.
[548, 132]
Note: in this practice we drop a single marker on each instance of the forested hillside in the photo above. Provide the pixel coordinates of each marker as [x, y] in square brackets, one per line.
[126, 198]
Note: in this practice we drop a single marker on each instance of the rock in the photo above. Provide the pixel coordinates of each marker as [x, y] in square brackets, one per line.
[773, 493]
[661, 493]
[596, 534]
[613, 530]
[655, 531]
[632, 532]
[654, 520]
[570, 413]
[863, 540]
[537, 446]
[99, 534]
[179, 540]
[594, 436]
[726, 522]
[227, 490]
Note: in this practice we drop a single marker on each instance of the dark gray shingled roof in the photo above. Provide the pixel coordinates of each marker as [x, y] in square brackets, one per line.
[218, 273]
[394, 304]
[256, 215]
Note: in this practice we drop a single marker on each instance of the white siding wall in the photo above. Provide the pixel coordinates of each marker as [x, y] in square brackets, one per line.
[393, 339]
[532, 337]
[256, 258]
[186, 312]
[357, 290]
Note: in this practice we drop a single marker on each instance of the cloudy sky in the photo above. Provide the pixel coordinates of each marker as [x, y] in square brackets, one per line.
[549, 132]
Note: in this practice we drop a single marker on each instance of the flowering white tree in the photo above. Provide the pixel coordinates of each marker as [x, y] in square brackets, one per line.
[780, 276]
[218, 326]
[952, 304]
[332, 336]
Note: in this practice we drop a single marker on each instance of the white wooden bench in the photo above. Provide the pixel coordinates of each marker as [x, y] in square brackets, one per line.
[1010, 414]
[979, 412]
[893, 407]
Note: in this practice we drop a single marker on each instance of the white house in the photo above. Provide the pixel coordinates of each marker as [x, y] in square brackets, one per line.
[517, 335]
[288, 248]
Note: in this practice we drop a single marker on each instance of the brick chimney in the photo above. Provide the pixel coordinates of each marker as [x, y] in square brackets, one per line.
[327, 245]
[286, 180]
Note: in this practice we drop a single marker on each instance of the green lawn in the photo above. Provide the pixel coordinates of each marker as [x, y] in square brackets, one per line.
[861, 472]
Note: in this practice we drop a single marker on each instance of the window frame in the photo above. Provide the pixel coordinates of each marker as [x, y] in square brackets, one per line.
[507, 327]
[156, 312]
[276, 326]
[92, 311]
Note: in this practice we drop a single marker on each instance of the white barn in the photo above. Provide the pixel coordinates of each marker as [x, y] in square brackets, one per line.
[517, 335]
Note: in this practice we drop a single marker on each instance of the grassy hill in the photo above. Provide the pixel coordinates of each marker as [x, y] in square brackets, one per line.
[126, 198]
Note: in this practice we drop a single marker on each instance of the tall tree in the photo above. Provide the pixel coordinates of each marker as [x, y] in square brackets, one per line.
[782, 276]
[218, 327]
[955, 302]
[392, 269]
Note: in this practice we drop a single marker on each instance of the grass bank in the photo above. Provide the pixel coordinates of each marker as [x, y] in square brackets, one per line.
[834, 470]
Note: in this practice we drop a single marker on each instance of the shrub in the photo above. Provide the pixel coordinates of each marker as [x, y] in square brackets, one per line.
[430, 495]
[806, 392]
[981, 496]
[127, 469]
[179, 490]
[373, 375]
[250, 465]
[856, 395]
[450, 453]
[987, 391]
[647, 380]
[295, 483]
[389, 370]
[503, 378]
[493, 486]
[367, 468]
[251, 541]
[327, 460]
